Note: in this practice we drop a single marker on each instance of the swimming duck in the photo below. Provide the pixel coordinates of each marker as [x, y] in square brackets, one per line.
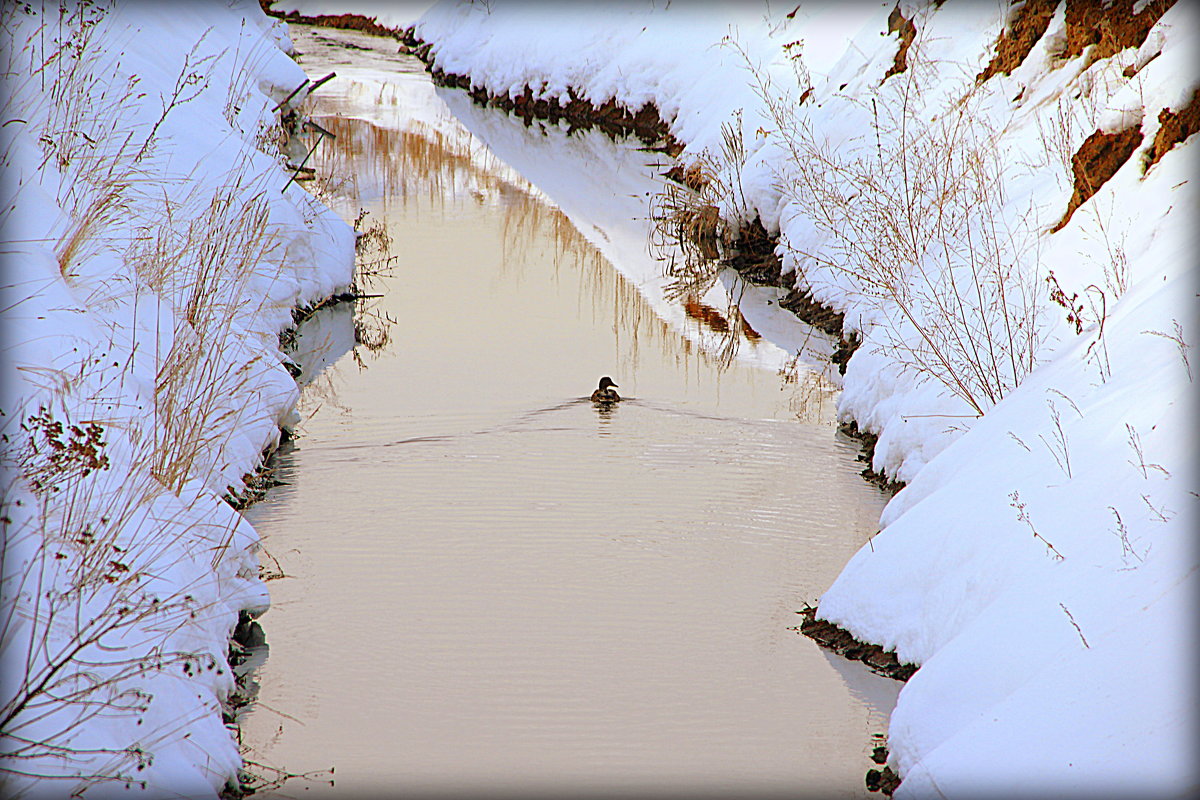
[604, 394]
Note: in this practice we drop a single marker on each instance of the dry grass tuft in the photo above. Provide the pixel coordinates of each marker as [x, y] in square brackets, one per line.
[689, 233]
[915, 216]
[89, 526]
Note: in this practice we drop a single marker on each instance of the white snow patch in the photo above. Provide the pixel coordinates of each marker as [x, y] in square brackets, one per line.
[153, 255]
[1039, 564]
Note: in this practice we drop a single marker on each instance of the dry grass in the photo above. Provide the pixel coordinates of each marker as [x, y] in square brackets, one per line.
[85, 612]
[695, 228]
[916, 215]
[87, 132]
[421, 162]
[689, 232]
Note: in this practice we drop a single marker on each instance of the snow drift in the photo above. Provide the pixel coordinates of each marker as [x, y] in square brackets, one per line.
[999, 202]
[153, 253]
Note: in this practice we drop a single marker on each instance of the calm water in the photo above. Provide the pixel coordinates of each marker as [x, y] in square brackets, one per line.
[494, 588]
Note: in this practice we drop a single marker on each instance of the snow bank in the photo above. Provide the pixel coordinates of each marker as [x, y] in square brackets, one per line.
[152, 257]
[1039, 564]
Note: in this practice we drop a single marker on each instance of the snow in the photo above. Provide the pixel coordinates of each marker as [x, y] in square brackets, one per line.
[1039, 565]
[153, 255]
[605, 198]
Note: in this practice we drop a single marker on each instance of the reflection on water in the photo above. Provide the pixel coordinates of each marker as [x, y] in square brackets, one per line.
[606, 191]
[420, 168]
[496, 588]
[420, 162]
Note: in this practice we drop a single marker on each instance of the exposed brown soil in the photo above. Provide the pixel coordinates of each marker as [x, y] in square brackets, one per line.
[1110, 26]
[755, 260]
[750, 251]
[883, 780]
[1014, 44]
[846, 347]
[867, 455]
[898, 23]
[580, 114]
[610, 116]
[353, 22]
[1175, 127]
[821, 317]
[1097, 160]
[255, 485]
[830, 636]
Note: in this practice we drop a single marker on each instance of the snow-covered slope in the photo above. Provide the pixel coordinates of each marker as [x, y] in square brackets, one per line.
[153, 252]
[1026, 356]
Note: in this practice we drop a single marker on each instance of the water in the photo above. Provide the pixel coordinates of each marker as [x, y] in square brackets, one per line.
[494, 588]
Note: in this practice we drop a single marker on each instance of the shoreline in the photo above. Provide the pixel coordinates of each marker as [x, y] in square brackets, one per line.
[247, 647]
[965, 559]
[754, 258]
[751, 253]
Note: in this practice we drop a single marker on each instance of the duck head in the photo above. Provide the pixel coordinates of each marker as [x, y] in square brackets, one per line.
[606, 382]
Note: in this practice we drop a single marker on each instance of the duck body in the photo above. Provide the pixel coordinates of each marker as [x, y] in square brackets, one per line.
[604, 393]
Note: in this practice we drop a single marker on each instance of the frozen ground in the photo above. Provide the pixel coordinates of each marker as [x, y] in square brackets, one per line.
[1040, 565]
[153, 253]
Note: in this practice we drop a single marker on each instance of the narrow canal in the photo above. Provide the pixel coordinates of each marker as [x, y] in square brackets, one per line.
[494, 588]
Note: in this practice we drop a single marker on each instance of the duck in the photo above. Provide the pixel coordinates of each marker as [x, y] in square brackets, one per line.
[604, 394]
